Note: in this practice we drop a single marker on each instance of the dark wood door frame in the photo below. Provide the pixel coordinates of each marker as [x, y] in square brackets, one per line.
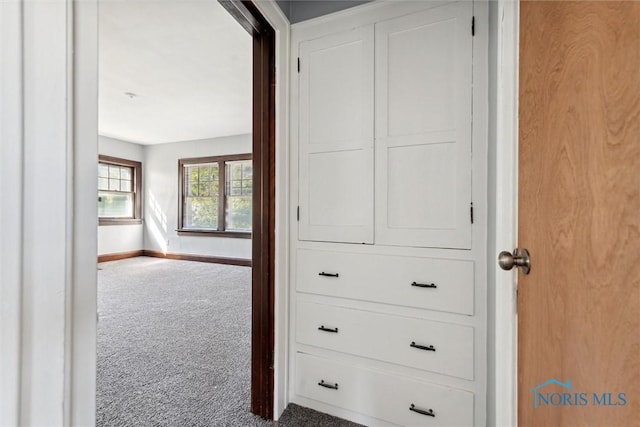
[264, 172]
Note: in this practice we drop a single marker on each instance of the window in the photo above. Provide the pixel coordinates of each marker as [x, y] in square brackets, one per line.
[119, 191]
[216, 195]
[238, 194]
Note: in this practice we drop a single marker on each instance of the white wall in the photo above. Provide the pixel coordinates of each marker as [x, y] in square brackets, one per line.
[113, 239]
[160, 199]
[123, 149]
[160, 172]
[47, 263]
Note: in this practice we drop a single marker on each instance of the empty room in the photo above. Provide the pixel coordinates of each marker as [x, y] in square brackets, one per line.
[174, 215]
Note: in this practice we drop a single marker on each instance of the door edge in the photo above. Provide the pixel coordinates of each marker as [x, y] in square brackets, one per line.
[274, 15]
[502, 397]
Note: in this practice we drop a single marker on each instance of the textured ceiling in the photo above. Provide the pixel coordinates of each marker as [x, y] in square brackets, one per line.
[188, 64]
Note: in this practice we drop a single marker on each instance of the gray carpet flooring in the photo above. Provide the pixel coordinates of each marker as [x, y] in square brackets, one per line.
[174, 347]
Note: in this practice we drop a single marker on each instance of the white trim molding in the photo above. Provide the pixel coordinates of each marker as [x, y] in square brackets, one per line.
[37, 150]
[505, 214]
[84, 128]
[45, 242]
[11, 177]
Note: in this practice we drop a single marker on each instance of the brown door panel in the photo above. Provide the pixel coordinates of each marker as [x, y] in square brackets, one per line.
[579, 213]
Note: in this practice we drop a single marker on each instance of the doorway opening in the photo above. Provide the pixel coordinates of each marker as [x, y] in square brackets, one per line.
[188, 199]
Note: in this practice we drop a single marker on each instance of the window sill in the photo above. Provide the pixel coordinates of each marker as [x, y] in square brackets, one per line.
[119, 221]
[214, 233]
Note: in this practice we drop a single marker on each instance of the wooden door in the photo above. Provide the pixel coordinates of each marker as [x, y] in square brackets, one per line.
[424, 70]
[336, 137]
[579, 214]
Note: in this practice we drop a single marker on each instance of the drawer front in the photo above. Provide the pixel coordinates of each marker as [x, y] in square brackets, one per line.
[382, 396]
[434, 284]
[438, 347]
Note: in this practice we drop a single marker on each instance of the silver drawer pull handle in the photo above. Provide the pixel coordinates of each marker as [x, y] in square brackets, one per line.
[424, 285]
[328, 274]
[334, 330]
[422, 347]
[428, 412]
[327, 385]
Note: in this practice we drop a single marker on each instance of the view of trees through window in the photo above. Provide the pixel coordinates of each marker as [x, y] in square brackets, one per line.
[217, 194]
[239, 190]
[202, 187]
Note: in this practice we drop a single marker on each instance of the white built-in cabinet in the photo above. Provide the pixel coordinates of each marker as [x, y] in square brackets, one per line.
[423, 128]
[388, 296]
[336, 137]
[419, 90]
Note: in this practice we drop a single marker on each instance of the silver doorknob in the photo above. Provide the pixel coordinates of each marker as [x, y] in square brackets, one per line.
[519, 258]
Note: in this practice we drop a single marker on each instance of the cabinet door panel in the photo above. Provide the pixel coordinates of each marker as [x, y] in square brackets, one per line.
[335, 189]
[417, 175]
[423, 128]
[336, 137]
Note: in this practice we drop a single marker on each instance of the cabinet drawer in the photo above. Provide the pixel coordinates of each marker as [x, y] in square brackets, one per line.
[434, 284]
[380, 395]
[438, 347]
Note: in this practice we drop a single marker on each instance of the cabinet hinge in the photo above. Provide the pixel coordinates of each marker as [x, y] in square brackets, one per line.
[473, 28]
[298, 64]
[298, 214]
[471, 212]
